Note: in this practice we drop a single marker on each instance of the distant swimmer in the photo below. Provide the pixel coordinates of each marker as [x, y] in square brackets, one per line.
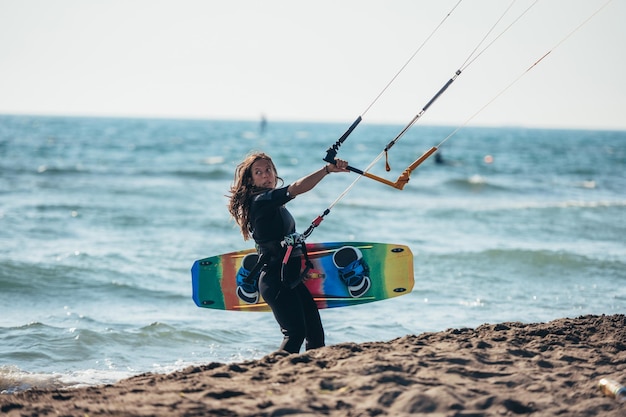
[439, 160]
[263, 124]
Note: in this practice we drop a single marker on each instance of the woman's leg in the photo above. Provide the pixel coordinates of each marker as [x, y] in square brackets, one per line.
[287, 308]
[313, 322]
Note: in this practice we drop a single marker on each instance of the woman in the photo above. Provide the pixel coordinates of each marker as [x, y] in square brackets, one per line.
[258, 207]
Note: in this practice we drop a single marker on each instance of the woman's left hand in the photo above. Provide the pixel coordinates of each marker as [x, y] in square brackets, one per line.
[339, 166]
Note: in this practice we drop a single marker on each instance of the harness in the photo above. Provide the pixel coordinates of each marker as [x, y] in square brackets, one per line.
[269, 251]
[291, 242]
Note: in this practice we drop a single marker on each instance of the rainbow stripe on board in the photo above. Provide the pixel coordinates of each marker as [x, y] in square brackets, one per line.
[390, 271]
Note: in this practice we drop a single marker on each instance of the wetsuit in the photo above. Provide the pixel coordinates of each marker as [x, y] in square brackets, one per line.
[294, 309]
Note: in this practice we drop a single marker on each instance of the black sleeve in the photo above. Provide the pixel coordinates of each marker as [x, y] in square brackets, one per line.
[276, 197]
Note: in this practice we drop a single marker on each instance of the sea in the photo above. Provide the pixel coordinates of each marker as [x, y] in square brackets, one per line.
[102, 218]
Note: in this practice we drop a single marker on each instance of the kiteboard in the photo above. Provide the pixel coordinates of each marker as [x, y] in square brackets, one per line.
[342, 274]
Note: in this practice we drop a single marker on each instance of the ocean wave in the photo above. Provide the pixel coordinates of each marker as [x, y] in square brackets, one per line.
[58, 170]
[71, 209]
[13, 379]
[212, 174]
[529, 261]
[23, 277]
[103, 353]
[475, 183]
[556, 204]
[21, 171]
[455, 207]
[30, 280]
[579, 203]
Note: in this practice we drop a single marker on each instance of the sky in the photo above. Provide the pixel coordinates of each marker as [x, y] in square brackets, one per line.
[323, 60]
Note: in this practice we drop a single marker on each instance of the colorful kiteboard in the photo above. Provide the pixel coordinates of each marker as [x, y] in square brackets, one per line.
[343, 274]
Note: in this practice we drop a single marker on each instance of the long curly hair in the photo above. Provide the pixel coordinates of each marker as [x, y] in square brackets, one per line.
[243, 189]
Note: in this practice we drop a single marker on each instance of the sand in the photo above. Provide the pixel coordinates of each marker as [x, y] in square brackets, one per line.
[508, 369]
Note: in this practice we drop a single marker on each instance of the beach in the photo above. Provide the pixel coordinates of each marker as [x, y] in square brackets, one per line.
[102, 219]
[506, 369]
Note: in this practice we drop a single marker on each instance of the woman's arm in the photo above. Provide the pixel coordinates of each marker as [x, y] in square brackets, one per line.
[308, 182]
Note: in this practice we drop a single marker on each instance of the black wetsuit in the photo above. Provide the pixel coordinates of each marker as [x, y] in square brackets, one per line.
[294, 309]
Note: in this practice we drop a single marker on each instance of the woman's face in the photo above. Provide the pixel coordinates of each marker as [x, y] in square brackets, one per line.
[263, 175]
